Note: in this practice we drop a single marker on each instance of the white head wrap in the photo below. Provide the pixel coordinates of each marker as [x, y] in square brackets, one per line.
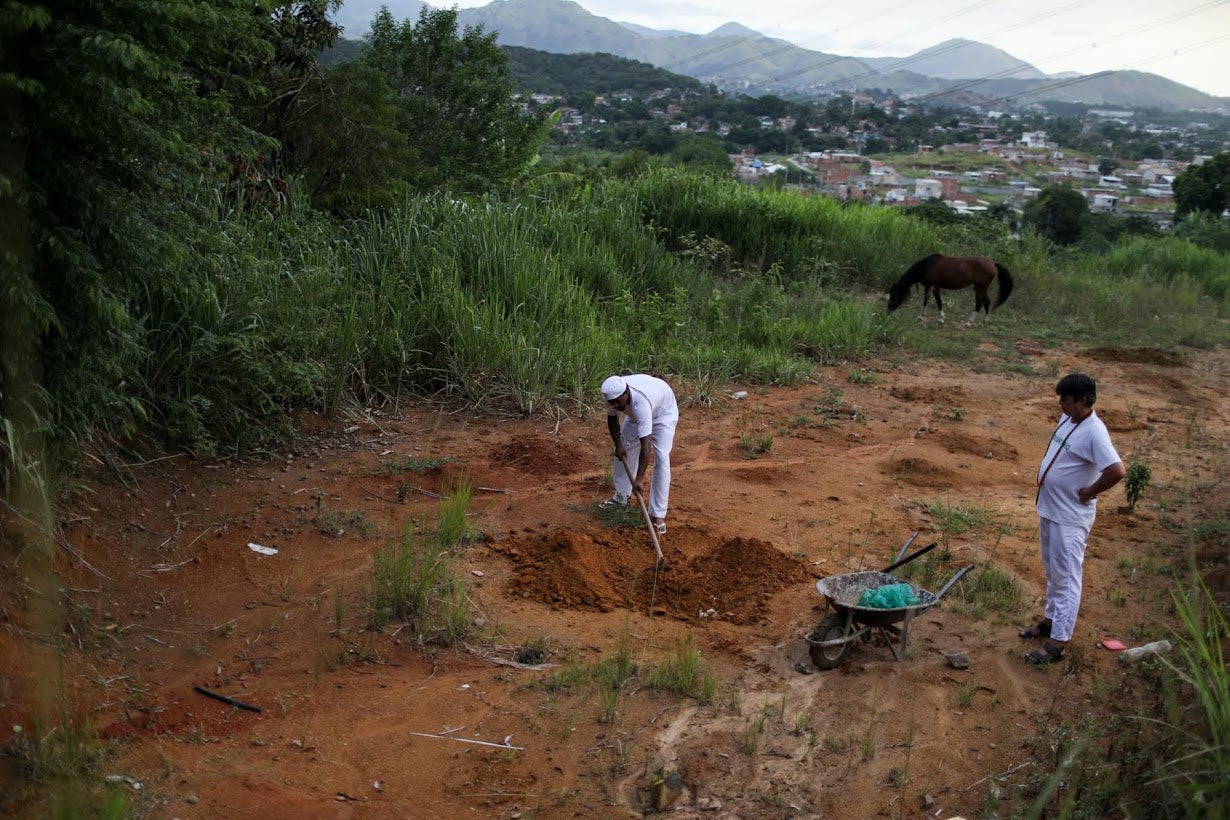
[613, 388]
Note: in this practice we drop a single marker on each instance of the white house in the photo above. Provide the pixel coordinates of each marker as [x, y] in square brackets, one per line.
[928, 189]
[1104, 203]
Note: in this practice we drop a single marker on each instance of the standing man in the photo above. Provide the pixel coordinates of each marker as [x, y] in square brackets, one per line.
[1080, 463]
[650, 416]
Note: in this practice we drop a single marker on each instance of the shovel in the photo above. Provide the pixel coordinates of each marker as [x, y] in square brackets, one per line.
[645, 512]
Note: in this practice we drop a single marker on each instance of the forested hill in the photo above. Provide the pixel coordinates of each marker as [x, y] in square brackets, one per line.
[568, 75]
[572, 74]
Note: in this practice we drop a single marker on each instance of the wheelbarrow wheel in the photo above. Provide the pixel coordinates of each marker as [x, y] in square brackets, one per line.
[832, 627]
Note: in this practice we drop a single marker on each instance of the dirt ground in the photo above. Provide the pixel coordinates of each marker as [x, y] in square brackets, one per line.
[355, 723]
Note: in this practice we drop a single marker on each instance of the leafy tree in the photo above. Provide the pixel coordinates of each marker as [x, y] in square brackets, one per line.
[1204, 187]
[464, 129]
[703, 153]
[1058, 213]
[1206, 229]
[935, 212]
[110, 112]
[350, 152]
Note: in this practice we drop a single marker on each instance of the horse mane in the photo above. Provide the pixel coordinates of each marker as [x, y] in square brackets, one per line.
[901, 288]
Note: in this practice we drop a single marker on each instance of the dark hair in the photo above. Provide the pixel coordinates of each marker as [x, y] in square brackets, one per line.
[1078, 386]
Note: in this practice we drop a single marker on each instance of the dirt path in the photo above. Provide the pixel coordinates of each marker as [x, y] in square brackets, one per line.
[857, 461]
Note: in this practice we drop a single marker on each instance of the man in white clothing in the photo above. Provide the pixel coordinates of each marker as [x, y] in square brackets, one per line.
[1080, 463]
[650, 416]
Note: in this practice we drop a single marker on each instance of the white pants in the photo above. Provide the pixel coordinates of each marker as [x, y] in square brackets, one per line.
[663, 438]
[1063, 558]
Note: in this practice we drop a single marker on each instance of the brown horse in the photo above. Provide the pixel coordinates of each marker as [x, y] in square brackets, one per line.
[937, 272]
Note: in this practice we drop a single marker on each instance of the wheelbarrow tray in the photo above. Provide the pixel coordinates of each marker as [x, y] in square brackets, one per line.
[848, 622]
[843, 593]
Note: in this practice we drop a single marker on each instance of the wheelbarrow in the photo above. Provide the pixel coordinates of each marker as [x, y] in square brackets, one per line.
[847, 622]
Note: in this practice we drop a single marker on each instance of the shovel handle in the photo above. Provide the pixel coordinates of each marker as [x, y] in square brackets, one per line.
[909, 557]
[653, 534]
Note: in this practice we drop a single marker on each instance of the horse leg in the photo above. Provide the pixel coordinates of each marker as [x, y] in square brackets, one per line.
[939, 305]
[922, 313]
[981, 302]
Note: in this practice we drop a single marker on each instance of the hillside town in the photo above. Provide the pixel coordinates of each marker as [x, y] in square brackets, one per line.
[969, 160]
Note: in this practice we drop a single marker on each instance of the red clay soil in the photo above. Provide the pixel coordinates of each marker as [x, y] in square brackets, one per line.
[514, 722]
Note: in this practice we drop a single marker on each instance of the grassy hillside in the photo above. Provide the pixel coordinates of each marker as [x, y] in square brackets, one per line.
[572, 74]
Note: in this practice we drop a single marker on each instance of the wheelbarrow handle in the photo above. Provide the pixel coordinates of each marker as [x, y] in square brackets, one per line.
[906, 545]
[909, 557]
[961, 572]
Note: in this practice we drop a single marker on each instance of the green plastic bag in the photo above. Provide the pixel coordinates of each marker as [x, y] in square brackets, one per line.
[892, 596]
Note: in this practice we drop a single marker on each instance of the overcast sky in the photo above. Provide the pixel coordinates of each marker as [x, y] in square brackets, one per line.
[1185, 40]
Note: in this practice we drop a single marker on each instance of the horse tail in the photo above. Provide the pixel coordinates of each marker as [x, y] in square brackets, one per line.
[1005, 284]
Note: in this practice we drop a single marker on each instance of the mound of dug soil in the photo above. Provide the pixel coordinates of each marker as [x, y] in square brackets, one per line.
[612, 569]
[539, 455]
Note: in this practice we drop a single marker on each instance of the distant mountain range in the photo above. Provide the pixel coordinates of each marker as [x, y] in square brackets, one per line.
[736, 58]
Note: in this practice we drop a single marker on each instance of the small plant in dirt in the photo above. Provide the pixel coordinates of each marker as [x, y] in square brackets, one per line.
[416, 582]
[863, 377]
[411, 464]
[834, 406]
[680, 672]
[1137, 479]
[451, 526]
[959, 519]
[748, 740]
[628, 515]
[753, 445]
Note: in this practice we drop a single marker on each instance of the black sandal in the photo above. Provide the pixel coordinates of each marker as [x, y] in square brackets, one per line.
[1042, 629]
[1045, 654]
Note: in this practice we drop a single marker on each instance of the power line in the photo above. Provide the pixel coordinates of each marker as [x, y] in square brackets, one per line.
[1087, 78]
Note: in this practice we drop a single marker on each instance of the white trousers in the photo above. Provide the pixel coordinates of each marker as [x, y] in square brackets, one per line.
[1063, 559]
[662, 438]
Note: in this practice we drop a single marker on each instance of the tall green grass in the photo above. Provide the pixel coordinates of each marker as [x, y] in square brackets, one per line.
[519, 303]
[415, 580]
[1201, 768]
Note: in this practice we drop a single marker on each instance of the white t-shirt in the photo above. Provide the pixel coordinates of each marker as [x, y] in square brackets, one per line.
[652, 402]
[1087, 451]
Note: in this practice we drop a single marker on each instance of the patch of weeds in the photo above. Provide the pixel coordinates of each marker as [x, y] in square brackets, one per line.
[627, 515]
[965, 695]
[994, 589]
[679, 671]
[959, 519]
[748, 741]
[753, 445]
[339, 609]
[838, 744]
[834, 406]
[1116, 596]
[411, 464]
[567, 679]
[859, 376]
[337, 522]
[896, 777]
[451, 525]
[867, 743]
[414, 581]
[69, 752]
[609, 702]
